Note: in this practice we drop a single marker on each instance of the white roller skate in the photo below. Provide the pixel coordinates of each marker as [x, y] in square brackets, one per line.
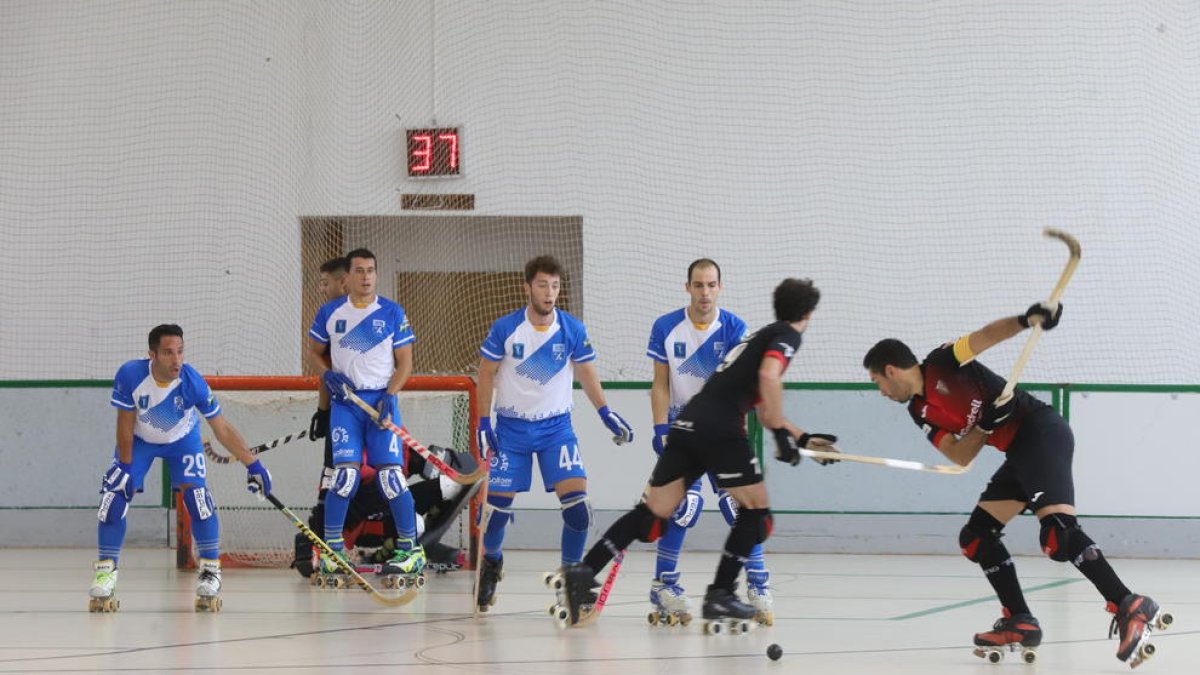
[724, 612]
[671, 604]
[758, 595]
[103, 592]
[329, 574]
[208, 586]
[406, 568]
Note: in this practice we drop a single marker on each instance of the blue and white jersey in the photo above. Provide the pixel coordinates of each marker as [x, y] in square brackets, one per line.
[361, 339]
[536, 364]
[165, 412]
[692, 352]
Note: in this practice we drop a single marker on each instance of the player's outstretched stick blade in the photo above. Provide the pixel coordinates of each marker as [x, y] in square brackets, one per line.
[408, 596]
[447, 470]
[948, 469]
[219, 458]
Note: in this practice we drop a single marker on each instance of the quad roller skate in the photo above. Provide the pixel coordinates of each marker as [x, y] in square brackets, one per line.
[724, 613]
[1013, 633]
[490, 573]
[671, 605]
[406, 568]
[330, 574]
[208, 586]
[1132, 622]
[102, 596]
[574, 587]
[758, 596]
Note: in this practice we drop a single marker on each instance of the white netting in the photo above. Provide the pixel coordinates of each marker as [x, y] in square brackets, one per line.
[253, 532]
[159, 158]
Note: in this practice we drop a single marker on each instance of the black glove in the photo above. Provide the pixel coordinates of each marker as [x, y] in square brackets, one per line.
[318, 427]
[822, 442]
[994, 415]
[1041, 309]
[786, 449]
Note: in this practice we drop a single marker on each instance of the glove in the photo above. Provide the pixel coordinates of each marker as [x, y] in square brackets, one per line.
[117, 479]
[258, 479]
[318, 427]
[1049, 319]
[486, 437]
[994, 415]
[659, 442]
[786, 449]
[622, 432]
[822, 442]
[388, 410]
[335, 382]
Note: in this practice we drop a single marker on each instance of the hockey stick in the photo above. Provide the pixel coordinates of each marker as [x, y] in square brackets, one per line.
[218, 458]
[1055, 296]
[602, 599]
[948, 469]
[483, 523]
[447, 470]
[393, 601]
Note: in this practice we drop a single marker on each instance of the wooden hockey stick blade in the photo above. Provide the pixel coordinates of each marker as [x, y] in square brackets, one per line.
[447, 470]
[220, 458]
[948, 469]
[605, 590]
[408, 596]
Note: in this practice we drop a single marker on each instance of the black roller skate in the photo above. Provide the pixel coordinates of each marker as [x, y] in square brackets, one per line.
[574, 586]
[490, 574]
[1011, 632]
[723, 611]
[1133, 621]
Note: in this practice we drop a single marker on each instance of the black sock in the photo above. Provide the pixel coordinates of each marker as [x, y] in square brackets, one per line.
[1003, 578]
[741, 540]
[1087, 557]
[618, 537]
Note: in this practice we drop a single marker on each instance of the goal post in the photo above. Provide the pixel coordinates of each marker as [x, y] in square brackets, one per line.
[436, 409]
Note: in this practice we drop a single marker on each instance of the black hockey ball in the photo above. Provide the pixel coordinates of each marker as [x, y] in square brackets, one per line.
[774, 652]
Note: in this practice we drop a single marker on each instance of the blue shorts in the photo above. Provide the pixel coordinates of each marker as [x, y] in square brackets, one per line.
[184, 459]
[551, 440]
[352, 430]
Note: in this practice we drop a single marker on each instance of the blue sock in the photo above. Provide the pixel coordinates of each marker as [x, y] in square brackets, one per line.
[404, 512]
[335, 518]
[668, 549]
[493, 537]
[206, 528]
[756, 562]
[110, 534]
[577, 519]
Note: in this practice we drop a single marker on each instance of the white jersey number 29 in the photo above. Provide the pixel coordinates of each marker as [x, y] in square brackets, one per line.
[193, 465]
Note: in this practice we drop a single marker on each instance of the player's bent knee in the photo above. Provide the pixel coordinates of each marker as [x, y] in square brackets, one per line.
[577, 511]
[1062, 539]
[392, 482]
[761, 520]
[199, 502]
[729, 507]
[650, 526]
[345, 481]
[688, 513]
[979, 539]
[113, 508]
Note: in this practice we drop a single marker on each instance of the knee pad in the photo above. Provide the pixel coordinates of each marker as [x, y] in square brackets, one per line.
[979, 539]
[1063, 540]
[577, 511]
[391, 481]
[688, 512]
[761, 522]
[113, 507]
[345, 481]
[497, 510]
[650, 526]
[729, 507]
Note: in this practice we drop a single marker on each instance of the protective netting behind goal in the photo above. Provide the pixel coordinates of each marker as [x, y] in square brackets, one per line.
[193, 163]
[254, 533]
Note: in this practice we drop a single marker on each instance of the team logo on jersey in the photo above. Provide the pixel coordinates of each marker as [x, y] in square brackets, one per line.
[179, 403]
[518, 350]
[144, 401]
[559, 350]
[339, 435]
[339, 326]
[942, 388]
[680, 350]
[719, 349]
[378, 325]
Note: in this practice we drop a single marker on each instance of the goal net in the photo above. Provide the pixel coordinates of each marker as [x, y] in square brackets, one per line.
[435, 410]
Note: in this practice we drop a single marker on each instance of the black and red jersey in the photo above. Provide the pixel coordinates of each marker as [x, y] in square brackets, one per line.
[955, 394]
[732, 390]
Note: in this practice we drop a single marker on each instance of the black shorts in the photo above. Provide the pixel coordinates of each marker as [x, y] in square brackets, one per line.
[694, 449]
[1037, 466]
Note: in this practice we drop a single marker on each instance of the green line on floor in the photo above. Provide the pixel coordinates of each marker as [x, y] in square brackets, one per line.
[976, 601]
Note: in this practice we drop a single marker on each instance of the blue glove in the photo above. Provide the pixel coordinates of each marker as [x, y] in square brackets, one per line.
[335, 382]
[388, 410]
[622, 432]
[258, 479]
[486, 437]
[659, 442]
[117, 479]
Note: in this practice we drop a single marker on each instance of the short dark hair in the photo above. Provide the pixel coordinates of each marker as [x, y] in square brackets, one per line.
[162, 330]
[334, 265]
[546, 264]
[703, 262]
[795, 298]
[888, 352]
[358, 253]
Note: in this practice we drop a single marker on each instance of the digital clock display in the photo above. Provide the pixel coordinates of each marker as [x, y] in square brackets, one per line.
[433, 152]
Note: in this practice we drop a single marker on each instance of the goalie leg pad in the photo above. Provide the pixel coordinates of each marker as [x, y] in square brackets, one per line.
[391, 481]
[1063, 540]
[345, 481]
[687, 514]
[728, 505]
[979, 540]
[113, 507]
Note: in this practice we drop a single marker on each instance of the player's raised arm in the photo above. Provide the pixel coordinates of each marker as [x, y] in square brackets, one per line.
[1000, 330]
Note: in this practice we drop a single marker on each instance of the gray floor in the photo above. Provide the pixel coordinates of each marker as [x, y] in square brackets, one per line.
[847, 613]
